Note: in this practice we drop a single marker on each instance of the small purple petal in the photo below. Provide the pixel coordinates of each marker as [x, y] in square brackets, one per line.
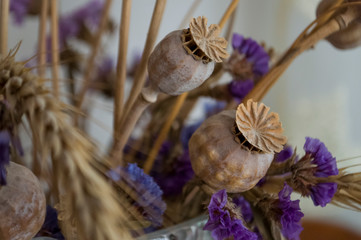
[236, 40]
[245, 208]
[239, 89]
[240, 232]
[285, 154]
[253, 52]
[291, 214]
[19, 9]
[323, 193]
[326, 164]
[219, 199]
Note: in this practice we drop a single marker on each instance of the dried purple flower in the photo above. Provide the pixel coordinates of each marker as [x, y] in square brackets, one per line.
[173, 182]
[285, 154]
[221, 223]
[149, 195]
[249, 60]
[245, 207]
[239, 89]
[19, 8]
[71, 24]
[291, 214]
[308, 172]
[4, 155]
[51, 227]
[323, 193]
[317, 151]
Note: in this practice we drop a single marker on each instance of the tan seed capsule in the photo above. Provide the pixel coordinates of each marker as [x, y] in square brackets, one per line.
[22, 204]
[184, 59]
[348, 37]
[223, 158]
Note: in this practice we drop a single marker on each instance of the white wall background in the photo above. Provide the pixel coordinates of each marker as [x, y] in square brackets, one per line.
[318, 96]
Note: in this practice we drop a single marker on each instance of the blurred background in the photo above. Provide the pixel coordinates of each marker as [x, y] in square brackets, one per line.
[318, 96]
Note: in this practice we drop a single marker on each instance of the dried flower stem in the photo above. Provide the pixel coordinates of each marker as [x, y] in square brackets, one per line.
[140, 75]
[140, 105]
[4, 26]
[178, 105]
[95, 48]
[228, 13]
[301, 44]
[121, 65]
[55, 46]
[42, 39]
[164, 133]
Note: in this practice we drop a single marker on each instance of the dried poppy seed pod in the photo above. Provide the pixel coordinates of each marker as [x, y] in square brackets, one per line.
[184, 59]
[234, 149]
[350, 35]
[23, 204]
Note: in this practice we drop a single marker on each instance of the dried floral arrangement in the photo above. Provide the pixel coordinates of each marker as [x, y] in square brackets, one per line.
[234, 165]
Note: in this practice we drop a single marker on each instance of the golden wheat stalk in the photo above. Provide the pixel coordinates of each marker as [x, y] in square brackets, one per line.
[87, 201]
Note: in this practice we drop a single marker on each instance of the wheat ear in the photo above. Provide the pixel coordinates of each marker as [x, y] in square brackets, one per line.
[87, 201]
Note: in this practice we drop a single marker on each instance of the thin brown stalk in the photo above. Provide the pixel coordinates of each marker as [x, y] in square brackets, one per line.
[95, 48]
[228, 13]
[140, 105]
[301, 44]
[229, 29]
[140, 75]
[55, 46]
[42, 39]
[4, 26]
[121, 65]
[163, 133]
[178, 105]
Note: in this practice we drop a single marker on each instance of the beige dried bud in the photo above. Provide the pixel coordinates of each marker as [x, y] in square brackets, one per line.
[221, 161]
[261, 129]
[178, 64]
[23, 204]
[350, 35]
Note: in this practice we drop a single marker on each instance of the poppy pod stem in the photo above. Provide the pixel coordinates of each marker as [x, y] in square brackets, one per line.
[147, 97]
[304, 42]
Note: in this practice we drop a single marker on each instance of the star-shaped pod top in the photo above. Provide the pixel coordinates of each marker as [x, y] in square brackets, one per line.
[204, 42]
[261, 129]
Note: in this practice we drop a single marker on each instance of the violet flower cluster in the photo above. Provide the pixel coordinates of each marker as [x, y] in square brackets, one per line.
[19, 9]
[88, 15]
[291, 214]
[252, 52]
[248, 63]
[221, 224]
[245, 208]
[326, 166]
[149, 195]
[172, 182]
